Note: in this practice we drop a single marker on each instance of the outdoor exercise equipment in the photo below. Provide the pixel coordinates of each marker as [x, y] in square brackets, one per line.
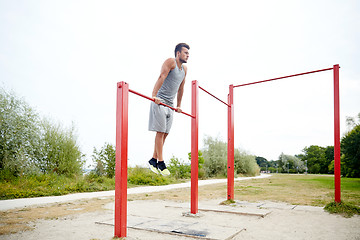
[337, 169]
[122, 143]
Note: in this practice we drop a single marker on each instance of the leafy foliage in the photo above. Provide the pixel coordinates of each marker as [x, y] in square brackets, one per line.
[344, 209]
[142, 176]
[19, 135]
[316, 158]
[105, 160]
[29, 145]
[179, 169]
[350, 146]
[215, 155]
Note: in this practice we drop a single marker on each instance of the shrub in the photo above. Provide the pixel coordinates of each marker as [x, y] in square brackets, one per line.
[179, 169]
[142, 176]
[215, 155]
[245, 164]
[105, 160]
[29, 145]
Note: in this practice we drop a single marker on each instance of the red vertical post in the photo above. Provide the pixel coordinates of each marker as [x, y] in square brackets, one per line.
[121, 157]
[230, 146]
[337, 167]
[194, 146]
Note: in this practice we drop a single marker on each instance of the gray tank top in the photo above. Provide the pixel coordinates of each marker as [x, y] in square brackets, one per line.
[171, 85]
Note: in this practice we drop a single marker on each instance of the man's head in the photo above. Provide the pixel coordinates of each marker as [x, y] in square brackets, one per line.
[182, 51]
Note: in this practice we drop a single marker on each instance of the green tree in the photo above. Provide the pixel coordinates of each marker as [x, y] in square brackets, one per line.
[60, 152]
[316, 159]
[105, 160]
[179, 169]
[19, 138]
[245, 164]
[215, 155]
[291, 164]
[262, 162]
[350, 146]
[29, 145]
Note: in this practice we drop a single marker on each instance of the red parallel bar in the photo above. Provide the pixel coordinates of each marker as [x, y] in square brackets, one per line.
[194, 147]
[299, 74]
[121, 157]
[337, 167]
[230, 169]
[151, 99]
[214, 96]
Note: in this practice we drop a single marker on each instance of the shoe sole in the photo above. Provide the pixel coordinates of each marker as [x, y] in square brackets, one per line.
[164, 174]
[153, 169]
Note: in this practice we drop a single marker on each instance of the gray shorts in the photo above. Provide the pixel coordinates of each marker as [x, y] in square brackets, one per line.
[160, 118]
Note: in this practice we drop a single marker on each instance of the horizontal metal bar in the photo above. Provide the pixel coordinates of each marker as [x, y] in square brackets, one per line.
[214, 96]
[299, 74]
[151, 99]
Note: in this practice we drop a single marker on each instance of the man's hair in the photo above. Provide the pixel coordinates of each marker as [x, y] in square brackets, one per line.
[180, 46]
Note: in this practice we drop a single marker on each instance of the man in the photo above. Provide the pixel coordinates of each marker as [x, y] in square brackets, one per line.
[170, 82]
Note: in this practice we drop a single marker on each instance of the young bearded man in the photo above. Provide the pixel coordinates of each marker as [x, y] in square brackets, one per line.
[169, 84]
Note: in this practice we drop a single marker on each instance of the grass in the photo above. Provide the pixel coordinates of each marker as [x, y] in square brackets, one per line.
[55, 185]
[344, 209]
[313, 190]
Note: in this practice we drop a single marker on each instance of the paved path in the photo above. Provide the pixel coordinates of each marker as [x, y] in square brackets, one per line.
[26, 202]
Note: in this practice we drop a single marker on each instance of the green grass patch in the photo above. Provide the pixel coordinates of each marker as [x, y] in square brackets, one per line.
[54, 185]
[344, 209]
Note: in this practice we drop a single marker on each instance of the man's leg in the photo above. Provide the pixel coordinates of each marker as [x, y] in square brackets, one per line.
[158, 153]
[159, 144]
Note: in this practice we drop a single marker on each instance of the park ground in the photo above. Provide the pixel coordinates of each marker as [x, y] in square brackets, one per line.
[277, 207]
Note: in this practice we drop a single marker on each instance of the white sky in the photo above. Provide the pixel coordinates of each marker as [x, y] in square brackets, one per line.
[65, 58]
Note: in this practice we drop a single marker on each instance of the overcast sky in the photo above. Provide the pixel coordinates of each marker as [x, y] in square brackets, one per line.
[65, 58]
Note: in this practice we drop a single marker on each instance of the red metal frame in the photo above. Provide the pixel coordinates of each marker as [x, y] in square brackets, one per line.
[230, 147]
[194, 146]
[151, 99]
[299, 74]
[337, 167]
[121, 159]
[121, 154]
[214, 96]
[122, 144]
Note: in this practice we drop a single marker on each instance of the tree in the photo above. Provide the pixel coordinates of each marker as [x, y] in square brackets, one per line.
[215, 155]
[291, 164]
[105, 160]
[29, 145]
[60, 152]
[350, 146]
[317, 161]
[262, 162]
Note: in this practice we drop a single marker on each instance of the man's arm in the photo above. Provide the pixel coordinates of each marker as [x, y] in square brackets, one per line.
[168, 65]
[180, 93]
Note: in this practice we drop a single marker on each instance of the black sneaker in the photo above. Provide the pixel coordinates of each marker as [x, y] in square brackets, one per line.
[162, 168]
[153, 165]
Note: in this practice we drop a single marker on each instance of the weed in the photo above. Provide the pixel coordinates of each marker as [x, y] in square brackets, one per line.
[344, 209]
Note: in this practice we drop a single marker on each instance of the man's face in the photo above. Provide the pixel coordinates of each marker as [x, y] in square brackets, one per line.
[184, 55]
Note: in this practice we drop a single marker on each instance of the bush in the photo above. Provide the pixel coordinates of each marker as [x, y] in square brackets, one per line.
[19, 135]
[245, 164]
[105, 160]
[142, 176]
[179, 169]
[215, 155]
[29, 145]
[59, 150]
[344, 209]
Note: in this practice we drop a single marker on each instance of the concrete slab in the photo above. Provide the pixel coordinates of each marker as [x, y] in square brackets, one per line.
[170, 220]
